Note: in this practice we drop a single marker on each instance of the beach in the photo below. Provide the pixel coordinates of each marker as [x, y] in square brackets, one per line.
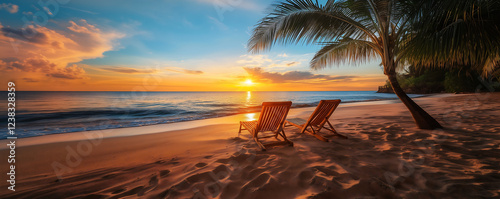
[385, 156]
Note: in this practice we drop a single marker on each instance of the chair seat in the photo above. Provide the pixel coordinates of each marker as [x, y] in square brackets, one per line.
[250, 125]
[296, 121]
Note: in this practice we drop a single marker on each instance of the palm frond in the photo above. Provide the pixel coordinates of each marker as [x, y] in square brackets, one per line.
[307, 21]
[346, 50]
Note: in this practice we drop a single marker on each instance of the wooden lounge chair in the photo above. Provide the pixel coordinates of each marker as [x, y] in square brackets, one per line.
[318, 119]
[272, 118]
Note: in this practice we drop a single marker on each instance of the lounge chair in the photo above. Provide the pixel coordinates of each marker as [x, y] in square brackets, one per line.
[318, 119]
[272, 118]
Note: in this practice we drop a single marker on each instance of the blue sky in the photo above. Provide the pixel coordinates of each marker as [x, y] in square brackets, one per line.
[192, 35]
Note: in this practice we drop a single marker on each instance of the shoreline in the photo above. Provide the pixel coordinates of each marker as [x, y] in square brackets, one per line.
[174, 126]
[112, 122]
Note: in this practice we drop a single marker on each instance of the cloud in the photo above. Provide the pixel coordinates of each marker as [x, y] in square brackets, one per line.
[187, 23]
[185, 71]
[291, 76]
[48, 11]
[37, 37]
[254, 60]
[30, 80]
[283, 55]
[129, 70]
[72, 72]
[231, 5]
[223, 6]
[264, 61]
[52, 52]
[85, 11]
[218, 23]
[12, 8]
[43, 65]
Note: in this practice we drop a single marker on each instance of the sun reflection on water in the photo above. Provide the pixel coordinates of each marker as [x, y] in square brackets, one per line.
[250, 116]
[249, 99]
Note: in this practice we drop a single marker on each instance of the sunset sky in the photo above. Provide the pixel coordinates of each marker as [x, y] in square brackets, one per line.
[191, 45]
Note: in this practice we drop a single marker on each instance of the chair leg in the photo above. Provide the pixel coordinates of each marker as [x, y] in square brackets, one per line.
[312, 128]
[260, 144]
[239, 132]
[334, 131]
[318, 136]
[304, 129]
[276, 134]
[284, 137]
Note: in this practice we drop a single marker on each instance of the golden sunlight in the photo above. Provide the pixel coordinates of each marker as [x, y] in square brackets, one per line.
[248, 82]
[250, 116]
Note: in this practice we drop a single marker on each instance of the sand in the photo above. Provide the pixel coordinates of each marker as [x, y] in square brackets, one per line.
[385, 156]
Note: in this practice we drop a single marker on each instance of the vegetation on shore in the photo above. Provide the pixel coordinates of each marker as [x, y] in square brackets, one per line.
[420, 80]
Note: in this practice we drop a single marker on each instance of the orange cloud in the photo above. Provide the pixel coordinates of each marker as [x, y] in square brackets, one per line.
[185, 71]
[36, 49]
[292, 76]
[264, 61]
[129, 70]
[42, 64]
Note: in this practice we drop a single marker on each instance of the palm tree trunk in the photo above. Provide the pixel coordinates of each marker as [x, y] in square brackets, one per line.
[422, 118]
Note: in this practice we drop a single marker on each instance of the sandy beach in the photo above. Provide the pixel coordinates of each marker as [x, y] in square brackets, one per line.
[385, 156]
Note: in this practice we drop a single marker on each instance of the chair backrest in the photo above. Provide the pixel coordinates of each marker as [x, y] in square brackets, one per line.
[273, 115]
[323, 111]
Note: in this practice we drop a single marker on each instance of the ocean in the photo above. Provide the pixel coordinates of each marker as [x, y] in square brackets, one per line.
[46, 112]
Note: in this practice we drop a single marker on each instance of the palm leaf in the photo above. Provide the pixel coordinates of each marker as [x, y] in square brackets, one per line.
[347, 50]
[307, 21]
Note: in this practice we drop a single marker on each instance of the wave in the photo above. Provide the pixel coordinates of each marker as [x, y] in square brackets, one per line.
[123, 113]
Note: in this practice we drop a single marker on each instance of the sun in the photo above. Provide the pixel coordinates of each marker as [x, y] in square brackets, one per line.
[248, 82]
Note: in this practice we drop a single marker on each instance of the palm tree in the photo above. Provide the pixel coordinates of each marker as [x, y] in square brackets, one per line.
[428, 33]
[350, 31]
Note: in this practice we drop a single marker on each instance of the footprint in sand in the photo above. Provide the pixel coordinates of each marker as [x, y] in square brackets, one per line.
[221, 172]
[305, 177]
[109, 176]
[324, 184]
[326, 171]
[153, 183]
[346, 178]
[118, 191]
[164, 173]
[256, 172]
[94, 196]
[230, 190]
[201, 164]
[131, 192]
[259, 180]
[255, 184]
